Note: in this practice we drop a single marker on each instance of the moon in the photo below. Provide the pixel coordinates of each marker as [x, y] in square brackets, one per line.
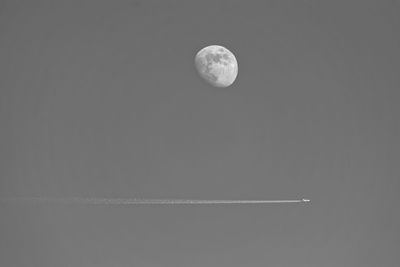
[217, 65]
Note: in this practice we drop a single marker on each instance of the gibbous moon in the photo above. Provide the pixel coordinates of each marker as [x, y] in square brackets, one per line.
[217, 65]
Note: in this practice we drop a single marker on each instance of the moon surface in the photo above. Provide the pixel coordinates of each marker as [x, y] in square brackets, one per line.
[217, 65]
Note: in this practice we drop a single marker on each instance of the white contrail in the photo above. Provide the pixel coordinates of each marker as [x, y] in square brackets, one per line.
[142, 201]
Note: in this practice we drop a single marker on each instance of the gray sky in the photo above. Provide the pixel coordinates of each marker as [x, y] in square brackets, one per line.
[101, 99]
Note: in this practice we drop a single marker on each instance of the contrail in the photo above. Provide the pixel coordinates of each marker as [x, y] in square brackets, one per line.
[142, 201]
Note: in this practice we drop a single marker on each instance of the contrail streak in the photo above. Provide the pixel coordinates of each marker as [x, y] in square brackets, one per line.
[142, 201]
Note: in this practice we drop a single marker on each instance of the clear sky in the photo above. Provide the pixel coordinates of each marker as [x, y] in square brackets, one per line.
[101, 99]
